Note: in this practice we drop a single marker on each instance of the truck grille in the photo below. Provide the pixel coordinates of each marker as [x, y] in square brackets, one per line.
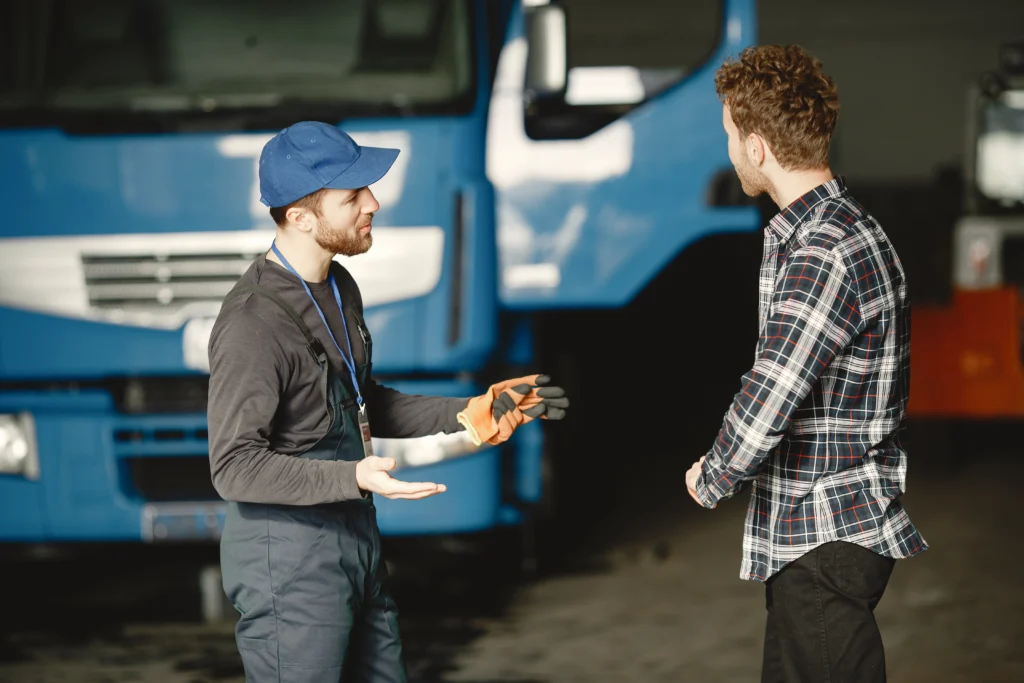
[165, 280]
[161, 283]
[170, 479]
[159, 395]
[164, 457]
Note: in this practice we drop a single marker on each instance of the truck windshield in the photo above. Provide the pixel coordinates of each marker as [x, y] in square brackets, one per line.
[153, 64]
[1000, 164]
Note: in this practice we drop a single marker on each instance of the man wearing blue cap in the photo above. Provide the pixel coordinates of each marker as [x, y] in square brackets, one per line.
[292, 405]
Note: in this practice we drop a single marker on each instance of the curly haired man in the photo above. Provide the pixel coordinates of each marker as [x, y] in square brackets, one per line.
[815, 425]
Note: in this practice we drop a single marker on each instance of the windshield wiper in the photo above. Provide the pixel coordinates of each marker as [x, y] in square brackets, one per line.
[206, 103]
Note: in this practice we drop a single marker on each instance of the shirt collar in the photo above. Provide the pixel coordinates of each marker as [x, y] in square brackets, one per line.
[785, 222]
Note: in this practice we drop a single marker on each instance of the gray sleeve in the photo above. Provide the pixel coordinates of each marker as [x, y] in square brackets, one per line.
[248, 368]
[394, 415]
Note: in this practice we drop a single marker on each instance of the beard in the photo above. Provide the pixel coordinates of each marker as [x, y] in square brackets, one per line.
[753, 182]
[350, 242]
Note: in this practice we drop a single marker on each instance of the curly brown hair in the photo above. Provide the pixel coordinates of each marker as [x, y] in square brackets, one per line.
[780, 93]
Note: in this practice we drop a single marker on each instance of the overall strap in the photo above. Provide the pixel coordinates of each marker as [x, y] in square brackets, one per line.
[312, 343]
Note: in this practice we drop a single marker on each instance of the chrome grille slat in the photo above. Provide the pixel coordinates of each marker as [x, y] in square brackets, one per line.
[165, 270]
[158, 282]
[163, 292]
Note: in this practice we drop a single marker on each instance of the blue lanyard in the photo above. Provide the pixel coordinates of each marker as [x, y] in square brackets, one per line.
[349, 359]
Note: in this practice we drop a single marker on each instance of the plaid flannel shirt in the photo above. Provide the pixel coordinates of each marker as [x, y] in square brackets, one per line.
[815, 424]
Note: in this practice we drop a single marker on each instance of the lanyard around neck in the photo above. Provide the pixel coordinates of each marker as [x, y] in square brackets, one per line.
[348, 359]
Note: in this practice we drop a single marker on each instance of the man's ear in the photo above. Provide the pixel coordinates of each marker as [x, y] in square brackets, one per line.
[756, 149]
[301, 218]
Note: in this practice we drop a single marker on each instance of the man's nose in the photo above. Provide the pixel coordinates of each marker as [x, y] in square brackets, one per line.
[370, 204]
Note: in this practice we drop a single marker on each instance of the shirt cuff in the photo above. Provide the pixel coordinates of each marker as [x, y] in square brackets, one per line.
[455, 406]
[708, 491]
[348, 485]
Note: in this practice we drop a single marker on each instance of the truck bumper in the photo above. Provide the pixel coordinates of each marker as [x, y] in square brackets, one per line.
[90, 489]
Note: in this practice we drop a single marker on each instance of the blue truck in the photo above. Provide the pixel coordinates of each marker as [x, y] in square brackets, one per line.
[529, 181]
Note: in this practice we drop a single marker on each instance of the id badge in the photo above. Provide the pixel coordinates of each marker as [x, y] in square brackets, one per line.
[364, 430]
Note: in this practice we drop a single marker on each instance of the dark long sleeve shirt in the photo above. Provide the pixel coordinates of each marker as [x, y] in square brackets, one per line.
[265, 405]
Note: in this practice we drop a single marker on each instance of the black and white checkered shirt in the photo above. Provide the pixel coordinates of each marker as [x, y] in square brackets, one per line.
[815, 424]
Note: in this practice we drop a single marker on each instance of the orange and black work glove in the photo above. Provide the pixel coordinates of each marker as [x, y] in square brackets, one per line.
[478, 419]
[543, 401]
[495, 415]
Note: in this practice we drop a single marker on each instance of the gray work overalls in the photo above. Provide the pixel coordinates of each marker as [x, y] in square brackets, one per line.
[309, 580]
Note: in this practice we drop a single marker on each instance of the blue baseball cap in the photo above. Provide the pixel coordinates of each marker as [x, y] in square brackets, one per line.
[311, 156]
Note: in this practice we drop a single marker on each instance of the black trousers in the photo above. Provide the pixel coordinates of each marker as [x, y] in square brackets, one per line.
[821, 624]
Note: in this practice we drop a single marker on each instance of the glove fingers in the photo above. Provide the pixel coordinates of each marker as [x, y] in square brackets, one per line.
[539, 400]
[497, 388]
[530, 401]
[541, 395]
[556, 402]
[520, 389]
[552, 413]
[502, 405]
[523, 400]
[509, 399]
[535, 411]
[508, 423]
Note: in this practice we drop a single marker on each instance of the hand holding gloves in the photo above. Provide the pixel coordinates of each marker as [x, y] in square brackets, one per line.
[496, 414]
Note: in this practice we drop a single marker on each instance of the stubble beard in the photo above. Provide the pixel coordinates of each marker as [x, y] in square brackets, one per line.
[753, 182]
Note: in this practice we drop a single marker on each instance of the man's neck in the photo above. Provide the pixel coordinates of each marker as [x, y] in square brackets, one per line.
[790, 186]
[310, 261]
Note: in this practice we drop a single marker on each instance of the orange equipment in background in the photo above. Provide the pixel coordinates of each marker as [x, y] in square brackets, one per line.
[965, 359]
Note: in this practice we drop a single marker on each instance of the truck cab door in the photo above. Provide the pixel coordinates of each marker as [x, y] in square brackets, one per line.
[604, 171]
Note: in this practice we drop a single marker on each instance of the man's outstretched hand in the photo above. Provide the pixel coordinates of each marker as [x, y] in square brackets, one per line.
[372, 475]
[496, 414]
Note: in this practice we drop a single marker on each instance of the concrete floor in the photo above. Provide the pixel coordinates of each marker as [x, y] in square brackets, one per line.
[675, 610]
[655, 598]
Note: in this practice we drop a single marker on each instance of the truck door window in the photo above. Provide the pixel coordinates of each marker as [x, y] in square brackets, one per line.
[621, 55]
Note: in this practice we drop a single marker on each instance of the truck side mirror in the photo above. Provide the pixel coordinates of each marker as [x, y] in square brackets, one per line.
[546, 70]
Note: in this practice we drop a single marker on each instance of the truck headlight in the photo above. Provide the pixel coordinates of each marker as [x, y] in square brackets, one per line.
[18, 453]
[425, 450]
